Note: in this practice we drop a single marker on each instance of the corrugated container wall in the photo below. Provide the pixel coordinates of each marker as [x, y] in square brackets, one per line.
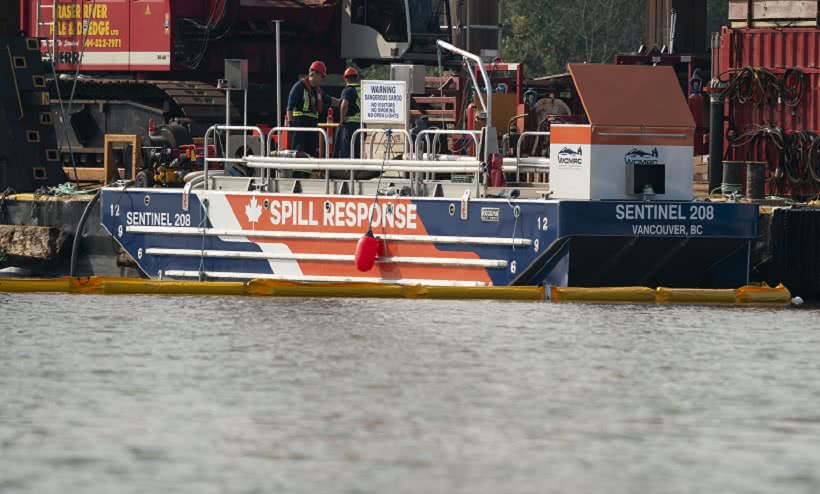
[776, 50]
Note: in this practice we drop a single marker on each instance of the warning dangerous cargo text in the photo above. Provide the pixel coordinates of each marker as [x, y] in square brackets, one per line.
[383, 101]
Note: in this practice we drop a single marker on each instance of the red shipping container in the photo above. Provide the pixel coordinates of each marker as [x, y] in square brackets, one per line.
[776, 50]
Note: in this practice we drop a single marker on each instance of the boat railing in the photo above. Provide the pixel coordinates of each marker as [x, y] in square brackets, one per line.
[283, 128]
[294, 130]
[408, 141]
[359, 164]
[427, 137]
[415, 164]
[428, 134]
[227, 128]
[535, 164]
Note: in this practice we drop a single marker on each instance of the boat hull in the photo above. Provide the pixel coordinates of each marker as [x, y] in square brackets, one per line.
[431, 241]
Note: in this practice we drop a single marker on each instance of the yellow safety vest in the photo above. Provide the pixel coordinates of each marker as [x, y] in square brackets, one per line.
[309, 110]
[357, 117]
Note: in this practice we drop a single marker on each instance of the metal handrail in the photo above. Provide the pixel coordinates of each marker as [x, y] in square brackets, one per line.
[211, 130]
[347, 164]
[279, 130]
[352, 165]
[363, 130]
[518, 148]
[489, 142]
[426, 132]
[472, 133]
[488, 108]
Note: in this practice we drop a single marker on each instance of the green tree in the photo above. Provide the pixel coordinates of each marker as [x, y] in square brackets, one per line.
[545, 35]
[717, 15]
[528, 38]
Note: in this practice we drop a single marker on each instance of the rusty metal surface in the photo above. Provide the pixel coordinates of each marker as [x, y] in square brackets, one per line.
[631, 95]
[39, 243]
[776, 50]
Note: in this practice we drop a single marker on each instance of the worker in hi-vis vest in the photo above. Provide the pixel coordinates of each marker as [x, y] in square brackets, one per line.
[305, 103]
[350, 116]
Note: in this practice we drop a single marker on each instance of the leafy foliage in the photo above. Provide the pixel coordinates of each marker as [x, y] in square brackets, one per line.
[545, 35]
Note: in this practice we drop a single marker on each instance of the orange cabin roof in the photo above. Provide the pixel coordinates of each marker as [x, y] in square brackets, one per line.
[631, 95]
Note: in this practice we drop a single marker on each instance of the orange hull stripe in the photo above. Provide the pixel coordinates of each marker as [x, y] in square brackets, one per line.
[393, 249]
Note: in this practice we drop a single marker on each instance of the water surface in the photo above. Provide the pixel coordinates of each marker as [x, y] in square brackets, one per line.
[135, 394]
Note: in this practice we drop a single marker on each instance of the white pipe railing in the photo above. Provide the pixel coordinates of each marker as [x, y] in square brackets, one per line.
[472, 133]
[427, 132]
[475, 58]
[211, 130]
[364, 131]
[518, 159]
[279, 130]
[347, 164]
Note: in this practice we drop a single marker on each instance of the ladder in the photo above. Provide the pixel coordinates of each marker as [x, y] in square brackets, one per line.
[41, 26]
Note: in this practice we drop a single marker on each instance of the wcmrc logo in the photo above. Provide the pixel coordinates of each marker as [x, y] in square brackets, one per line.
[569, 156]
[640, 157]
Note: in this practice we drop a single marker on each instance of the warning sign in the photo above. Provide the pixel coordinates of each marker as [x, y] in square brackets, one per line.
[384, 102]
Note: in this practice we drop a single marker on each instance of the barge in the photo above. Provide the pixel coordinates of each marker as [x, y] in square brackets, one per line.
[618, 209]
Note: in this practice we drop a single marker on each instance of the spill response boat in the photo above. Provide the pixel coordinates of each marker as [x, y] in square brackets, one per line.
[618, 211]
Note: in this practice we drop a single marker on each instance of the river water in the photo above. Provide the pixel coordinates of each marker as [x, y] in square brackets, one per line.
[137, 394]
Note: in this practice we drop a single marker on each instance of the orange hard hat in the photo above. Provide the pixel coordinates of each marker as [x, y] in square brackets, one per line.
[351, 72]
[319, 67]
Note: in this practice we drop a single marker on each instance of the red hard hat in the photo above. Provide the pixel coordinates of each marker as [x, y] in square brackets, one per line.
[319, 67]
[351, 72]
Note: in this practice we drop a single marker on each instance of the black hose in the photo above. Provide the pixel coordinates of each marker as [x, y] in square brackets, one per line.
[764, 88]
[80, 226]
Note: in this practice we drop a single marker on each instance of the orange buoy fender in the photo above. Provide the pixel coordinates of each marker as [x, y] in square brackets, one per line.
[366, 251]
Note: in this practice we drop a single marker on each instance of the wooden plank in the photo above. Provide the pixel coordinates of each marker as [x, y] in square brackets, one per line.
[701, 189]
[435, 100]
[85, 174]
[773, 9]
[89, 174]
[110, 173]
[777, 24]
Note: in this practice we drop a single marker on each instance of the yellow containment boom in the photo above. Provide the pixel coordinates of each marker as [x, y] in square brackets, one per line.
[760, 295]
[132, 286]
